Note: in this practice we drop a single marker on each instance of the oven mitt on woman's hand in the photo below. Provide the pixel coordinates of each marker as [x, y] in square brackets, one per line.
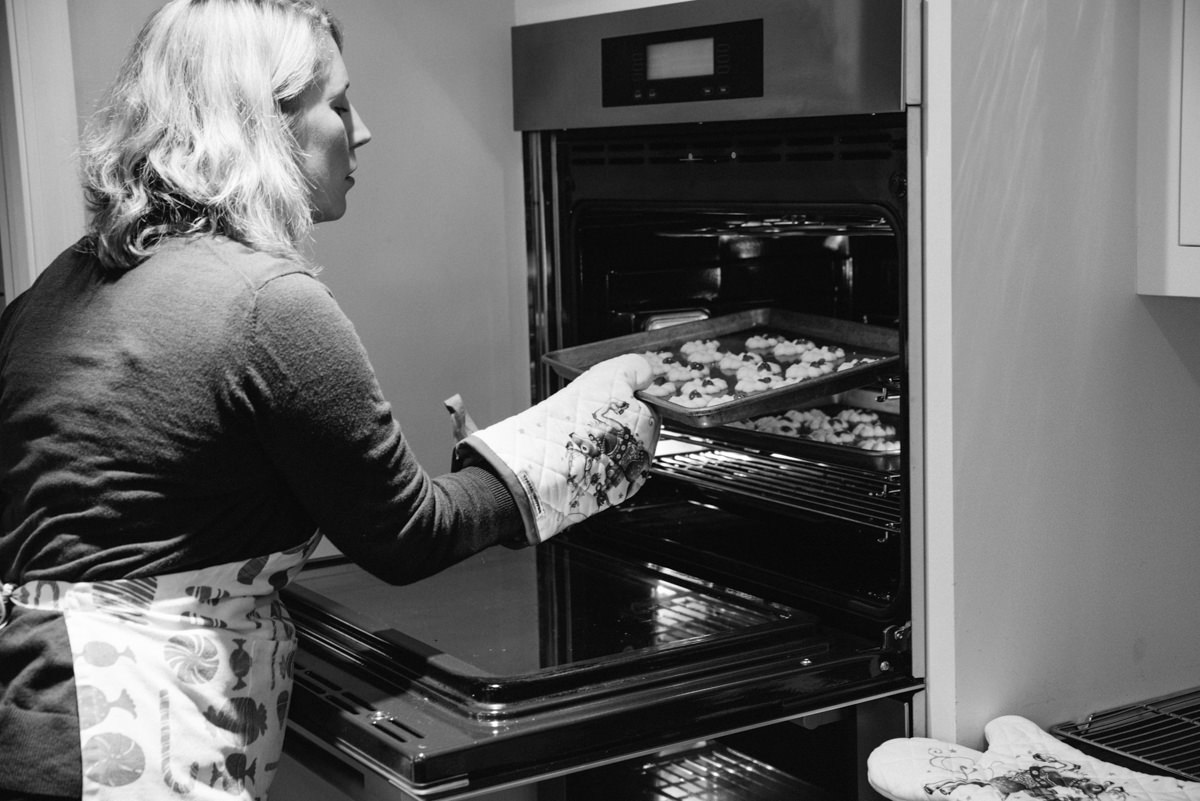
[584, 448]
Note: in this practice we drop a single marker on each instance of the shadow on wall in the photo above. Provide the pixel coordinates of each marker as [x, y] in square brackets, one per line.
[1179, 321]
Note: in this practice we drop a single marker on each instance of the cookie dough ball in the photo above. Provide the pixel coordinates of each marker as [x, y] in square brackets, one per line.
[873, 431]
[830, 356]
[681, 373]
[706, 386]
[853, 416]
[760, 369]
[732, 362]
[856, 362]
[808, 418]
[791, 349]
[761, 342]
[691, 400]
[661, 387]
[756, 383]
[658, 360]
[713, 386]
[699, 346]
[705, 357]
[801, 371]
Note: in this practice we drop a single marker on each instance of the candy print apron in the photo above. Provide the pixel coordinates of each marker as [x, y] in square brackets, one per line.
[183, 680]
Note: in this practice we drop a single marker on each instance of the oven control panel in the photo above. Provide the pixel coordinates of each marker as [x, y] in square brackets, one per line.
[710, 62]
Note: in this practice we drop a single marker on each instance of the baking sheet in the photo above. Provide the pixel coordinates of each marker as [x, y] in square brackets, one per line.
[882, 460]
[732, 331]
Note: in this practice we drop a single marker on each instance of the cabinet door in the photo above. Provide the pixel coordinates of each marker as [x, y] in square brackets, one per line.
[1189, 128]
[1169, 148]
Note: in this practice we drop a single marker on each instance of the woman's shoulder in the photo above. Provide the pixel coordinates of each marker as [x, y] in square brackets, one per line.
[220, 256]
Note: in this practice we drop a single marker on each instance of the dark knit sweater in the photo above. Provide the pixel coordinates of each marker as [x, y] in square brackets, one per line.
[211, 404]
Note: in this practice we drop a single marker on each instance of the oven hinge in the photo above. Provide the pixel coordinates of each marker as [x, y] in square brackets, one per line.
[891, 390]
[896, 639]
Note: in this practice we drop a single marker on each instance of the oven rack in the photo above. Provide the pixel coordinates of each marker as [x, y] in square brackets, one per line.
[676, 615]
[863, 497]
[1160, 735]
[707, 772]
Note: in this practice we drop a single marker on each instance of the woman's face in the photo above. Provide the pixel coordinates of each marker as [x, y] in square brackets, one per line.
[329, 130]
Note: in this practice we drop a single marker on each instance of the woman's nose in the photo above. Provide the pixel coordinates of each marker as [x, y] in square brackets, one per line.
[359, 133]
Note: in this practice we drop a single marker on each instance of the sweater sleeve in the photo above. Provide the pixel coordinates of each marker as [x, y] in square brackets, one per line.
[319, 411]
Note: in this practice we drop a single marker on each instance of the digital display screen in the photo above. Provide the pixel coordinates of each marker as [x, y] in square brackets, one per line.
[679, 59]
[706, 62]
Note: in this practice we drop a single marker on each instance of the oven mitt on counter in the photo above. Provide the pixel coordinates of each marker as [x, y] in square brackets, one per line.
[1022, 762]
[584, 448]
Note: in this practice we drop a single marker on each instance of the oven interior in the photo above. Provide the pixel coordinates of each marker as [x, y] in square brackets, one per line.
[662, 225]
[649, 226]
[647, 266]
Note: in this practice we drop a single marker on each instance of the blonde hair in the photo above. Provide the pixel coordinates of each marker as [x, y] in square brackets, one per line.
[195, 136]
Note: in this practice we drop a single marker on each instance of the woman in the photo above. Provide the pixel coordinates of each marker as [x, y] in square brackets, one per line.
[183, 406]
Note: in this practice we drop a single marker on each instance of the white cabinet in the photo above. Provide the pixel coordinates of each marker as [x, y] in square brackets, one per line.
[1189, 128]
[1168, 187]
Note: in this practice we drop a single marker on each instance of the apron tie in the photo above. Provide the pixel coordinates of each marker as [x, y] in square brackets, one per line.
[6, 593]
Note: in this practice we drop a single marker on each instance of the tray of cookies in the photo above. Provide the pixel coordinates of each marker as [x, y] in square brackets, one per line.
[830, 432]
[746, 364]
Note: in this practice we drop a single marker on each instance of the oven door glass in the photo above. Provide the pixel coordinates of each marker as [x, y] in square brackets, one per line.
[516, 663]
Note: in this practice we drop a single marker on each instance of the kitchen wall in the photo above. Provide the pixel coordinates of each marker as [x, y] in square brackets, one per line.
[429, 261]
[1076, 460]
[531, 11]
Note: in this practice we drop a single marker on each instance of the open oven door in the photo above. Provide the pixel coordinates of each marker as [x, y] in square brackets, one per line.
[571, 658]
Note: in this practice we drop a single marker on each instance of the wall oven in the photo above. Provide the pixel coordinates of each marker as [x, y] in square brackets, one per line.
[743, 628]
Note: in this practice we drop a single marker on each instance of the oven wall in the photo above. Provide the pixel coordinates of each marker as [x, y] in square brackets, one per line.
[1076, 461]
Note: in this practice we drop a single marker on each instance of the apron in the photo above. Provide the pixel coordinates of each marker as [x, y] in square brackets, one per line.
[182, 680]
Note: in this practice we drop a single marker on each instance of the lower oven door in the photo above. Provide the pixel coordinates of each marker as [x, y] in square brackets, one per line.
[519, 665]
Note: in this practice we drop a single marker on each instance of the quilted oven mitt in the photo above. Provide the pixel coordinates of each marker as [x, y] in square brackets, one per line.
[586, 447]
[1022, 763]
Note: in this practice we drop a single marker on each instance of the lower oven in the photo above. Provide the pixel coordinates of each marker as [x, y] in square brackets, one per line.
[743, 628]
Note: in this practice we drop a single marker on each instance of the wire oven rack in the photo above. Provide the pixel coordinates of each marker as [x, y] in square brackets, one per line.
[709, 772]
[859, 496]
[1158, 736]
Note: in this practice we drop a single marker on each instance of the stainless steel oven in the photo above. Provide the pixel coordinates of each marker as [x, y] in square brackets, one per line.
[743, 628]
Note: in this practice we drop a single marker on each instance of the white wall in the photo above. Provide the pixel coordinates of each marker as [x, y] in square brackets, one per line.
[101, 32]
[1076, 455]
[531, 11]
[429, 261]
[41, 210]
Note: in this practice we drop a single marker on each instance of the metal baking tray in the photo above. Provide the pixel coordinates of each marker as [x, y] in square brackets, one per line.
[883, 461]
[731, 331]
